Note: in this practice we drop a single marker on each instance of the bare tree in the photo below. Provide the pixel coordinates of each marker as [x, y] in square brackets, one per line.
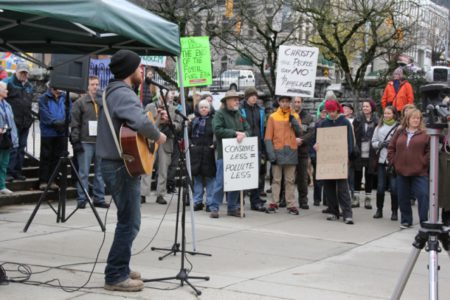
[353, 33]
[255, 30]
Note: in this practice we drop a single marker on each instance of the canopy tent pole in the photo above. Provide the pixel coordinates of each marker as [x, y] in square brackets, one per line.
[186, 149]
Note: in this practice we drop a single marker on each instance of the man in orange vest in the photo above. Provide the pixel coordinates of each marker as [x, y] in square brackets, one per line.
[398, 92]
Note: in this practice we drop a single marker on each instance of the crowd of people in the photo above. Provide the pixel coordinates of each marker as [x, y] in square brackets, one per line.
[386, 152]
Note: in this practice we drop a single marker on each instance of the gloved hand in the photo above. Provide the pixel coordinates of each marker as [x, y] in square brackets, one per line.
[59, 125]
[77, 148]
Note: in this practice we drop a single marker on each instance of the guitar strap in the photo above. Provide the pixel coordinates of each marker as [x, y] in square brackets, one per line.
[108, 117]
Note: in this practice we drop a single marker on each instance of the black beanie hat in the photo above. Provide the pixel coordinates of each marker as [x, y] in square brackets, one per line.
[124, 63]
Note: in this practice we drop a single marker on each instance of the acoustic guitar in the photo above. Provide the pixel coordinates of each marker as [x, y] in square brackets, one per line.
[138, 152]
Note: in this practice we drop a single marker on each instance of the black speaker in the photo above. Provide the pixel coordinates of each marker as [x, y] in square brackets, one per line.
[70, 73]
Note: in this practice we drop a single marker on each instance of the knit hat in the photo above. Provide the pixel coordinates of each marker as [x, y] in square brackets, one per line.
[229, 94]
[398, 71]
[124, 63]
[332, 105]
[250, 92]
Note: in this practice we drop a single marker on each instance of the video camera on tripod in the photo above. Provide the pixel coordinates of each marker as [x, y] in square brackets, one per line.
[436, 104]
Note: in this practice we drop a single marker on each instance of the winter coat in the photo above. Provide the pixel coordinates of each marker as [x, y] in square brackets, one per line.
[307, 134]
[404, 96]
[20, 97]
[379, 136]
[225, 125]
[411, 160]
[201, 149]
[7, 121]
[84, 110]
[50, 111]
[363, 134]
[282, 130]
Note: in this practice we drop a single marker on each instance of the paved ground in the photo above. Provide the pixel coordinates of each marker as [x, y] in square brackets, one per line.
[262, 256]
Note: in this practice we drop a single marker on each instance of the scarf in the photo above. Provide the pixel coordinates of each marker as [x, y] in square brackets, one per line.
[198, 126]
[396, 85]
[389, 123]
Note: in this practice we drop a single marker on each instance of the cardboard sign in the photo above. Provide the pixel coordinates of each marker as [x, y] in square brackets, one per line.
[332, 157]
[155, 61]
[296, 71]
[240, 164]
[196, 61]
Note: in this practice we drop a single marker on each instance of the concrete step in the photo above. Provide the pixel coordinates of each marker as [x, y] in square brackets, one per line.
[32, 196]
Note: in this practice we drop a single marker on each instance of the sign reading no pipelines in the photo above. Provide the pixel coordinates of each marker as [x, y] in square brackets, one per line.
[240, 164]
[332, 156]
[296, 71]
[196, 61]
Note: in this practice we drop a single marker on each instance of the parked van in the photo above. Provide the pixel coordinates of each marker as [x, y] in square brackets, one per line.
[237, 79]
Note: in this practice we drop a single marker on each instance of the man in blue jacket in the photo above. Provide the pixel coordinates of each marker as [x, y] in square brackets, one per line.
[52, 117]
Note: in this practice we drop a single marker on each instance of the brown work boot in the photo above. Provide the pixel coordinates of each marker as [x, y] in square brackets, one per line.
[135, 275]
[128, 285]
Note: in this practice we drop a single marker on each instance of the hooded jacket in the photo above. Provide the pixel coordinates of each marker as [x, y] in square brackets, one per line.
[282, 130]
[20, 97]
[51, 109]
[124, 107]
[405, 95]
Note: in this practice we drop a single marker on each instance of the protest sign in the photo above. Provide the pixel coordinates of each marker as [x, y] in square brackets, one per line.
[154, 61]
[332, 155]
[196, 61]
[240, 164]
[296, 71]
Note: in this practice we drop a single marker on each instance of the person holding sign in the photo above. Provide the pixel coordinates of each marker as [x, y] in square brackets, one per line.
[282, 139]
[83, 135]
[337, 189]
[227, 123]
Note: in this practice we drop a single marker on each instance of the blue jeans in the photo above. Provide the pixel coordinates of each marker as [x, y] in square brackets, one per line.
[382, 178]
[17, 155]
[217, 197]
[125, 192]
[84, 163]
[198, 189]
[418, 185]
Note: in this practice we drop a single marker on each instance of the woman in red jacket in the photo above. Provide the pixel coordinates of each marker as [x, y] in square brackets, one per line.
[398, 92]
[409, 152]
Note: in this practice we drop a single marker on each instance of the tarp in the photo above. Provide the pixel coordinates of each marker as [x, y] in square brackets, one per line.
[84, 26]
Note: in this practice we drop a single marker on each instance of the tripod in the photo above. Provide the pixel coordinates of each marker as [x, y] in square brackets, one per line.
[183, 274]
[176, 245]
[61, 210]
[431, 232]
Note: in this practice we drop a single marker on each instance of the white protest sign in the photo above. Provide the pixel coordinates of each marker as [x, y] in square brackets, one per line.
[332, 156]
[240, 164]
[155, 61]
[296, 71]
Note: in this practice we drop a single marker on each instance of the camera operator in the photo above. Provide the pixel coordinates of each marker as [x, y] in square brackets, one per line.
[53, 125]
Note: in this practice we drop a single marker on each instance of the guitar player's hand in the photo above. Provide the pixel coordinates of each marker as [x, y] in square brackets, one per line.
[162, 138]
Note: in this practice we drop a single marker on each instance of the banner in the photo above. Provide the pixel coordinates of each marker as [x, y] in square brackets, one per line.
[154, 61]
[240, 164]
[296, 71]
[100, 68]
[196, 61]
[332, 156]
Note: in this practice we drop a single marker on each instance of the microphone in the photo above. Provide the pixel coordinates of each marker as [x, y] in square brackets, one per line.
[150, 81]
[181, 115]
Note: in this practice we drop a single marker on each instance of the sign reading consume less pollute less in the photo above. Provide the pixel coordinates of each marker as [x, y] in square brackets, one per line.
[196, 61]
